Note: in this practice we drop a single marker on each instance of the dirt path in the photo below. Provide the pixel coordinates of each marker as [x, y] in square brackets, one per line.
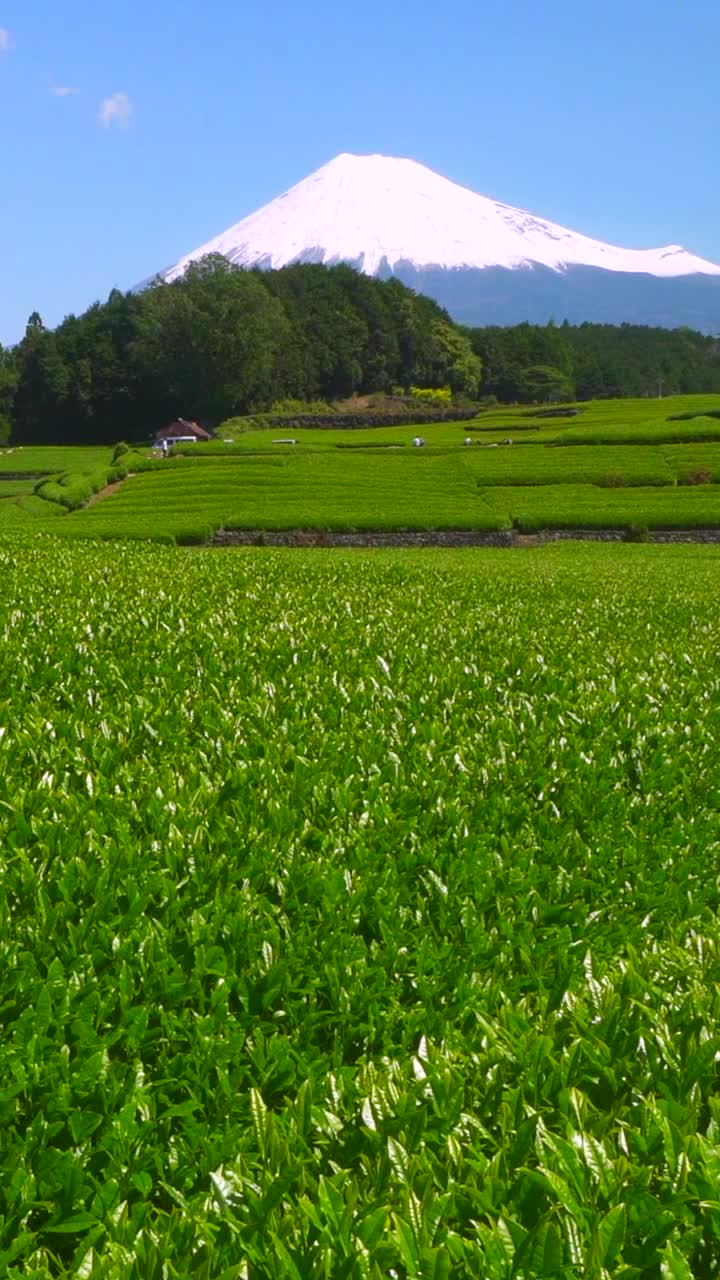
[109, 488]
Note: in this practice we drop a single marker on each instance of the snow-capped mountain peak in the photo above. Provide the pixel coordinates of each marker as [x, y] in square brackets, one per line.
[379, 212]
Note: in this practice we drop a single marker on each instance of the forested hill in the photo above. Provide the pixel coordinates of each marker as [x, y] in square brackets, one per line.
[594, 361]
[222, 341]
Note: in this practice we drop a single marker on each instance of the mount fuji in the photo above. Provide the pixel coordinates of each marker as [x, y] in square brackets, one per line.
[487, 262]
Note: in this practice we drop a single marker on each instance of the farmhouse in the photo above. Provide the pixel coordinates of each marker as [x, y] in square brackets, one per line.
[181, 431]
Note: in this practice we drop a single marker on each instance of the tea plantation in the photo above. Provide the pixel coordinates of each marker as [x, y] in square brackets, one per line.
[359, 912]
[622, 466]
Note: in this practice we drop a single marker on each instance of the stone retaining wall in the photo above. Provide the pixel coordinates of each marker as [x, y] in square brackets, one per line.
[25, 475]
[621, 535]
[443, 537]
[326, 538]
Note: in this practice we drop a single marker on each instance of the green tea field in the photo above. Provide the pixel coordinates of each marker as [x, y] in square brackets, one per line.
[621, 466]
[359, 912]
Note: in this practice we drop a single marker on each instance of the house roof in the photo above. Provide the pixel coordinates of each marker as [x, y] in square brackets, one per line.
[182, 428]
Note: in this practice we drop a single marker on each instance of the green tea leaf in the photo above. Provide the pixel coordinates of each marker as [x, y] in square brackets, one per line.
[611, 1233]
[673, 1264]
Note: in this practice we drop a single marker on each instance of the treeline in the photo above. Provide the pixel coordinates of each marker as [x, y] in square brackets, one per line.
[223, 342]
[533, 363]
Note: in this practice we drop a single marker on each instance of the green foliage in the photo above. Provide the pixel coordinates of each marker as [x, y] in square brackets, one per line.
[373, 479]
[359, 916]
[694, 463]
[614, 423]
[210, 343]
[595, 360]
[70, 490]
[233, 427]
[80, 383]
[638, 533]
[73, 489]
[8, 386]
[222, 342]
[37, 460]
[541, 382]
[291, 406]
[14, 488]
[685, 417]
[543, 465]
[578, 506]
[653, 431]
[23, 510]
[456, 360]
[189, 498]
[432, 395]
[357, 414]
[619, 421]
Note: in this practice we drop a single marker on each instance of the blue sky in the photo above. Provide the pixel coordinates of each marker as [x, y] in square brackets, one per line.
[185, 116]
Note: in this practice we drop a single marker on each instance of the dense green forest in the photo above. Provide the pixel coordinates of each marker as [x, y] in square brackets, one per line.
[223, 341]
[526, 363]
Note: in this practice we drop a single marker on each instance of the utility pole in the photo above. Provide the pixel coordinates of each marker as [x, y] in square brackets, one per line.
[661, 383]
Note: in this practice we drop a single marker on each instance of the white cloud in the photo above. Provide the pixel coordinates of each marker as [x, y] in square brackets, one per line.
[62, 90]
[117, 109]
[6, 41]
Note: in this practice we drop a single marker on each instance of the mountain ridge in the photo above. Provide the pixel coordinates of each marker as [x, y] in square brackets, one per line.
[355, 208]
[388, 215]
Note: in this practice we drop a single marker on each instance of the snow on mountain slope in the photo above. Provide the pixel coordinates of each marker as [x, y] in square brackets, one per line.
[378, 212]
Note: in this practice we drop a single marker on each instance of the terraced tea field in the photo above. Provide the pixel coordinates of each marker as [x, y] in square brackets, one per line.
[598, 420]
[568, 506]
[46, 459]
[192, 498]
[618, 465]
[359, 913]
[483, 490]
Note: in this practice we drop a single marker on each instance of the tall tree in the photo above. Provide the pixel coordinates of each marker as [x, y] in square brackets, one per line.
[8, 386]
[43, 382]
[209, 344]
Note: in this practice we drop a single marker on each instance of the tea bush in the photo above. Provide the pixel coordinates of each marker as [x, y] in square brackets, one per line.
[359, 913]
